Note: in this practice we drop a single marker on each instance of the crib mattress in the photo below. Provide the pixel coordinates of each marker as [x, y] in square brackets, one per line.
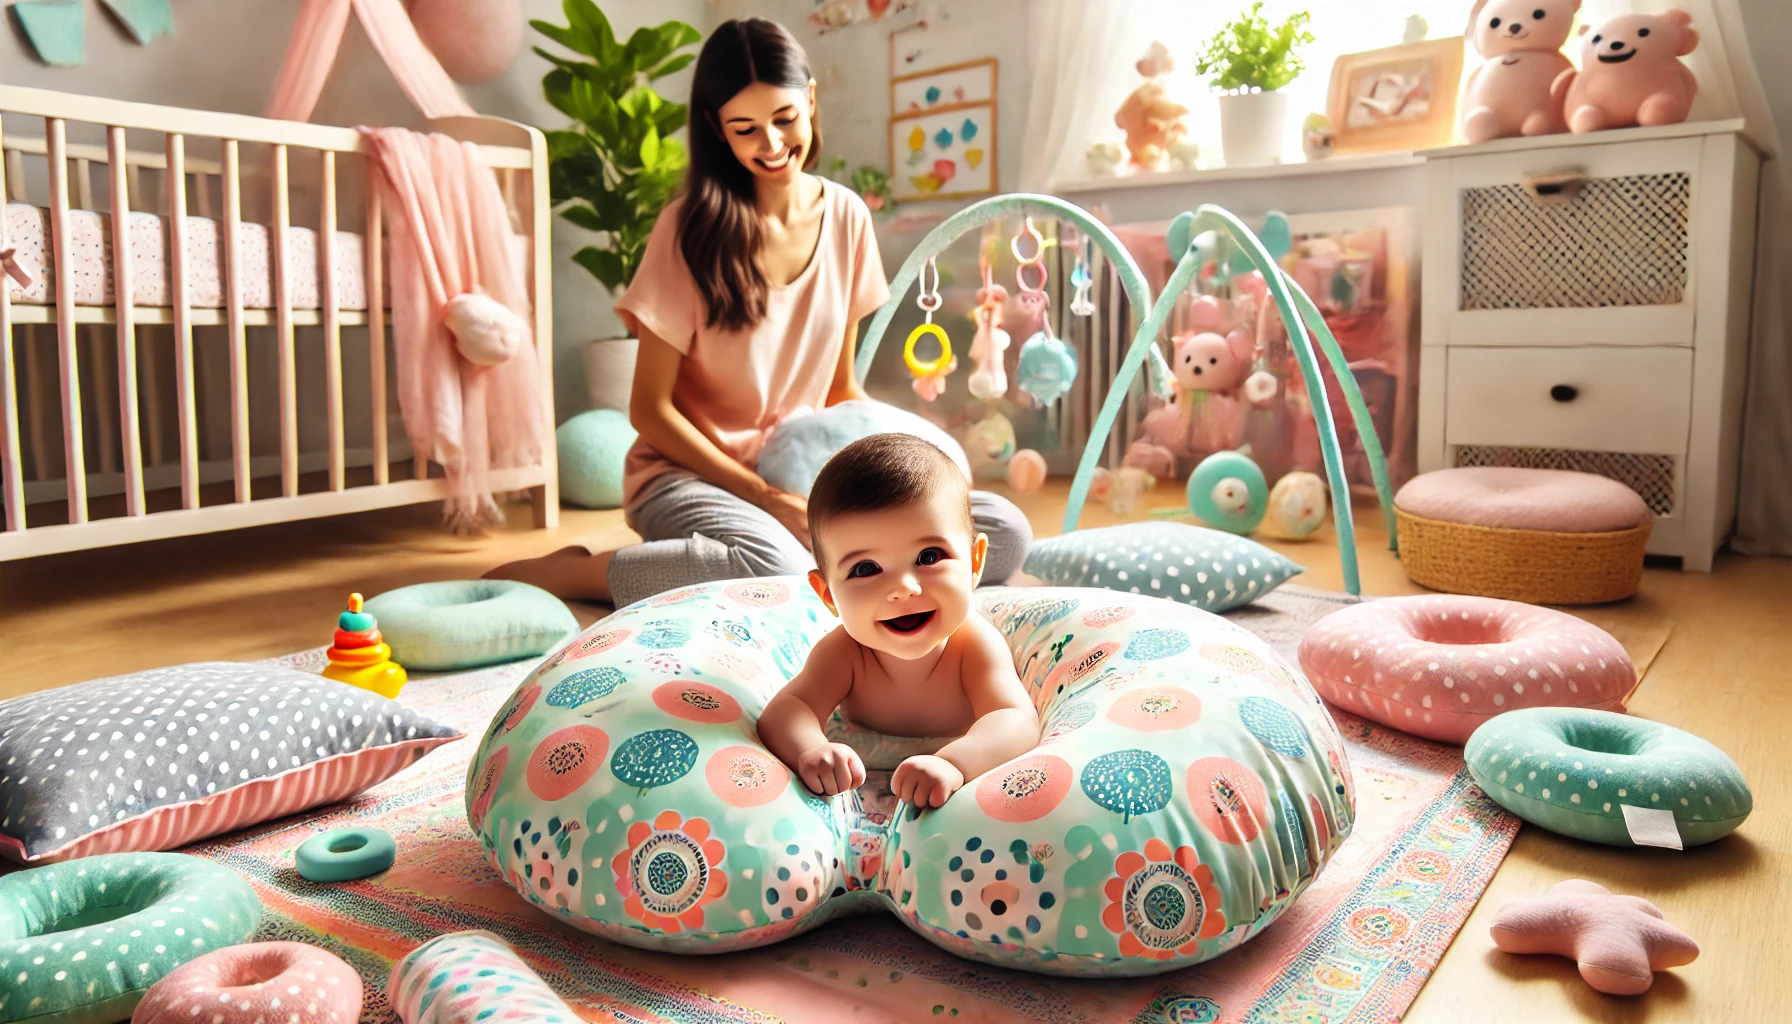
[90, 236]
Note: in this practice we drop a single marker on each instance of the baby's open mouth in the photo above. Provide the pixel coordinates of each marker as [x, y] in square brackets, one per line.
[906, 624]
[1616, 58]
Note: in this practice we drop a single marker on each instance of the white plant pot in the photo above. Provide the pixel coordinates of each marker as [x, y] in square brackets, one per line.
[610, 372]
[1253, 128]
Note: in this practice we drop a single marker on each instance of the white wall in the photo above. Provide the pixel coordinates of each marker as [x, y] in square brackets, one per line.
[226, 53]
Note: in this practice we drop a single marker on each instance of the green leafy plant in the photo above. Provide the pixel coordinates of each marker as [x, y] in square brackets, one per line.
[617, 167]
[872, 185]
[1250, 53]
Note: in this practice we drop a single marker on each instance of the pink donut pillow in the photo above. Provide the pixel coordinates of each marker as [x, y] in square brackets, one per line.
[1439, 666]
[288, 982]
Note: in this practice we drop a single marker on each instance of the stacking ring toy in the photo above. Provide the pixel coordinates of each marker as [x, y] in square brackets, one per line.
[289, 982]
[61, 927]
[346, 854]
[1608, 778]
[915, 366]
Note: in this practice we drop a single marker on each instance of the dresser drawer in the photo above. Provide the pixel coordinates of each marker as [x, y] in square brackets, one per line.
[1635, 400]
[1591, 245]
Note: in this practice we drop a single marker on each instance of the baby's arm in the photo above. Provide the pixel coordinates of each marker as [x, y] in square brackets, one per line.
[790, 725]
[1006, 726]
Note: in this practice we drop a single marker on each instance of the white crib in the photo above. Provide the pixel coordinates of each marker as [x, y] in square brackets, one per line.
[186, 312]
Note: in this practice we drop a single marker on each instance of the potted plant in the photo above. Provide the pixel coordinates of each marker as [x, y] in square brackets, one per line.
[1250, 60]
[617, 166]
[873, 186]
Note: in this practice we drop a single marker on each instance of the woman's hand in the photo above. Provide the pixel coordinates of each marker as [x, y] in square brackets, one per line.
[790, 511]
[830, 768]
[926, 780]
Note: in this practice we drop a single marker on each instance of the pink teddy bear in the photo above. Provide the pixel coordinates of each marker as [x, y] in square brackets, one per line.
[1521, 41]
[1630, 74]
[1205, 361]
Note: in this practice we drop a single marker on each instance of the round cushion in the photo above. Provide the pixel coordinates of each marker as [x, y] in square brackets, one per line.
[1439, 666]
[460, 624]
[1554, 500]
[289, 982]
[1573, 771]
[797, 449]
[1188, 785]
[62, 926]
[593, 449]
[345, 854]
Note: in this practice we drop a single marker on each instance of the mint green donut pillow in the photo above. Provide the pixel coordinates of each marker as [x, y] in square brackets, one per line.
[460, 624]
[1575, 770]
[1187, 787]
[82, 940]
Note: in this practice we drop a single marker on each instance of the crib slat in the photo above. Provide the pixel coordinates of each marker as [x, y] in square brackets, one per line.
[332, 317]
[373, 247]
[289, 393]
[130, 437]
[74, 451]
[233, 309]
[183, 321]
[15, 175]
[12, 480]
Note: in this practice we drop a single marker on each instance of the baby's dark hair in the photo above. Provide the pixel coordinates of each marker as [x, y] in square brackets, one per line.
[881, 472]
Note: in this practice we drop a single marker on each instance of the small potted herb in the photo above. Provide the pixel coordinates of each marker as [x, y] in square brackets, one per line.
[1249, 60]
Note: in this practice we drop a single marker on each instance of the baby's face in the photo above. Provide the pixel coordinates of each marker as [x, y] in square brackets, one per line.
[901, 579]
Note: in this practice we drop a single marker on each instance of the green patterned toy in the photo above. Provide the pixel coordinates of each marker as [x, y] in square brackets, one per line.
[1188, 786]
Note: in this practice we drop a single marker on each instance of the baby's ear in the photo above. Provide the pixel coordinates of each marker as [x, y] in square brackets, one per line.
[820, 584]
[979, 551]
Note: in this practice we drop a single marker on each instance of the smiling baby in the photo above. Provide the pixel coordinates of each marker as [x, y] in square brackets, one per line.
[890, 524]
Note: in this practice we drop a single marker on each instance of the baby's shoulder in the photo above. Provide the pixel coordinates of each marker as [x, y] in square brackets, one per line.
[836, 652]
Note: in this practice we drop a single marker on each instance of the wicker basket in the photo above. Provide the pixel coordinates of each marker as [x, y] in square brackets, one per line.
[1534, 566]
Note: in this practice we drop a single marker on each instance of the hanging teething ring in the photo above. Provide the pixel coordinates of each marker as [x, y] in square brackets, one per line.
[1020, 278]
[915, 366]
[1028, 231]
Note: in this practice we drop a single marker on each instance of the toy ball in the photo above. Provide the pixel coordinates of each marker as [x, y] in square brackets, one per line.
[1026, 471]
[593, 447]
[1260, 389]
[1228, 492]
[1046, 369]
[989, 442]
[1297, 506]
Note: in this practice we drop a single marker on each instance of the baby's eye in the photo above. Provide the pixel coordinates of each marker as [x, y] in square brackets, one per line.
[931, 556]
[862, 569]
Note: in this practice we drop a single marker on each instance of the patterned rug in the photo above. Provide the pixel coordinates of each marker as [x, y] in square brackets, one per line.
[1356, 947]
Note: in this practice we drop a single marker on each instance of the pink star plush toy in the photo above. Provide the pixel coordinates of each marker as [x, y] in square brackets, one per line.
[1619, 941]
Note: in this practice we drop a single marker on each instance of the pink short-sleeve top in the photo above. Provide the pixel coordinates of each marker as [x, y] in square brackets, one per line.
[735, 385]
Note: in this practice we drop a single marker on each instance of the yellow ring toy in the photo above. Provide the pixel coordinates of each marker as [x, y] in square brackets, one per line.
[919, 368]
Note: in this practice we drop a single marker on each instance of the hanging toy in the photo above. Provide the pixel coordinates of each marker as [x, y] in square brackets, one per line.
[1297, 506]
[1046, 368]
[1228, 492]
[930, 377]
[1082, 281]
[989, 381]
[1026, 471]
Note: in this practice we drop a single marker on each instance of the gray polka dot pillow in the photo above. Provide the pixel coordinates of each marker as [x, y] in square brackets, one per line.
[1213, 570]
[156, 760]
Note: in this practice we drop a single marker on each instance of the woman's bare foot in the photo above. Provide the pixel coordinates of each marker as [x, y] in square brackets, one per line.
[571, 574]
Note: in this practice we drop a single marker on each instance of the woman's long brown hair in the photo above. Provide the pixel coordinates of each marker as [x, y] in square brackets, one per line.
[718, 225]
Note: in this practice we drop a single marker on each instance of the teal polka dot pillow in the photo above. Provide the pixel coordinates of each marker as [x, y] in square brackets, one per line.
[1213, 570]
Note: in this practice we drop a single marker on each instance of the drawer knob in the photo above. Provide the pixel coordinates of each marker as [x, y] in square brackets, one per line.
[1564, 392]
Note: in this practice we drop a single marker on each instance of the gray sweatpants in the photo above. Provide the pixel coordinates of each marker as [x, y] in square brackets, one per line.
[695, 532]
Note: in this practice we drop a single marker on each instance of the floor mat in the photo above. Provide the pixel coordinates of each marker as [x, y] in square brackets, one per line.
[1357, 946]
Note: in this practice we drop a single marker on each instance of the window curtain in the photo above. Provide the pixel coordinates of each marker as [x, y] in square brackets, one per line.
[1083, 52]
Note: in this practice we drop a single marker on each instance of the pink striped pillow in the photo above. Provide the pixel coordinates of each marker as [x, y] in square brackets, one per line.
[159, 759]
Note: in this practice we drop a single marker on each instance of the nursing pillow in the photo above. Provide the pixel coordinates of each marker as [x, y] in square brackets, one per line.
[1188, 785]
[798, 447]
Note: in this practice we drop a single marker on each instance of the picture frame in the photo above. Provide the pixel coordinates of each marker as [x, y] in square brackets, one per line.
[1397, 97]
[942, 132]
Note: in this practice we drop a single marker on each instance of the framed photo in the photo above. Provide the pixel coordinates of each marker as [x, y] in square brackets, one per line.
[1400, 97]
[943, 132]
[970, 82]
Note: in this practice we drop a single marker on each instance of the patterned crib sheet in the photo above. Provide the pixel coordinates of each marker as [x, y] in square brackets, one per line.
[28, 231]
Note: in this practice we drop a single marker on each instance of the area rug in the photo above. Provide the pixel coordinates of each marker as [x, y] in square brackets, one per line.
[1356, 947]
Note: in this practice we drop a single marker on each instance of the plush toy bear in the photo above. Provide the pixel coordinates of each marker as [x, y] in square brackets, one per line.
[1521, 41]
[1208, 362]
[1151, 119]
[1630, 74]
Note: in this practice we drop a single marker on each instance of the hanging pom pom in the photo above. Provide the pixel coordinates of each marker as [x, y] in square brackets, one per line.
[1260, 388]
[486, 331]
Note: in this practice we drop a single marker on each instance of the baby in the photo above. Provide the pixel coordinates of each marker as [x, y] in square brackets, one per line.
[890, 524]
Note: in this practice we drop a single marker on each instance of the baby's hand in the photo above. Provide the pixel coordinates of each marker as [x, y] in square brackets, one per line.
[926, 780]
[831, 768]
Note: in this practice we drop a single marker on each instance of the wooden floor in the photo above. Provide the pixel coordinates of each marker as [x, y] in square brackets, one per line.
[1722, 674]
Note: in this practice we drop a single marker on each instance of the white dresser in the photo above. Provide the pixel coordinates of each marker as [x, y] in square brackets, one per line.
[1586, 304]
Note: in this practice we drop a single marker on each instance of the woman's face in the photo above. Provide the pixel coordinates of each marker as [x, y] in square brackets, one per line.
[771, 129]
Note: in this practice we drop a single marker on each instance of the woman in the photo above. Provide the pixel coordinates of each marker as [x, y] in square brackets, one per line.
[747, 306]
